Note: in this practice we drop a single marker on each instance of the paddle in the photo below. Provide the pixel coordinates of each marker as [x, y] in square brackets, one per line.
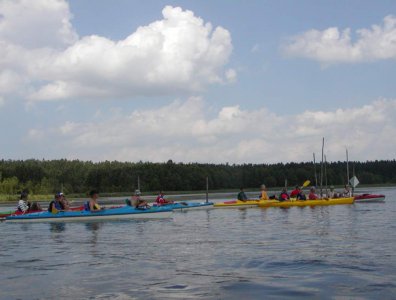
[305, 184]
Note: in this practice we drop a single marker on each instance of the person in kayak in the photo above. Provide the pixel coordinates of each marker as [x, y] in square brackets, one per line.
[331, 193]
[138, 202]
[312, 195]
[56, 204]
[301, 196]
[93, 204]
[161, 199]
[295, 192]
[284, 196]
[23, 203]
[263, 194]
[241, 195]
[347, 191]
[64, 201]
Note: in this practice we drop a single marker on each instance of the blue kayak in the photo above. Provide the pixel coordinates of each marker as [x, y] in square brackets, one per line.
[188, 205]
[118, 213]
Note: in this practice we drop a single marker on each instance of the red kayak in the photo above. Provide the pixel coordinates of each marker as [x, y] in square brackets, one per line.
[369, 198]
[4, 214]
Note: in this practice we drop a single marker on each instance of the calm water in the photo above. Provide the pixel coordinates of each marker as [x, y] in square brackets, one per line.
[332, 252]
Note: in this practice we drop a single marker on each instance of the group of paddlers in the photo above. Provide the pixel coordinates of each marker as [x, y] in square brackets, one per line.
[60, 202]
[298, 194]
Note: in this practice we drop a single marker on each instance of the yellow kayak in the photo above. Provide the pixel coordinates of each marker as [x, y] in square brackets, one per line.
[240, 203]
[319, 202]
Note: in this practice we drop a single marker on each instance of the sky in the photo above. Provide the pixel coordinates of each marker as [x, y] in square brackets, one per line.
[197, 81]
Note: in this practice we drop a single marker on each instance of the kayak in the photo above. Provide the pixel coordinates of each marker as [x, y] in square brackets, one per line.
[180, 206]
[4, 214]
[241, 204]
[369, 198]
[319, 202]
[118, 213]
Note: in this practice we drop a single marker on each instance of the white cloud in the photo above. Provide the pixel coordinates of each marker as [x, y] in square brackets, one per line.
[36, 24]
[231, 75]
[183, 131]
[336, 46]
[41, 53]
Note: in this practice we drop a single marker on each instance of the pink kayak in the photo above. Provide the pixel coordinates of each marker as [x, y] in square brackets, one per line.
[369, 198]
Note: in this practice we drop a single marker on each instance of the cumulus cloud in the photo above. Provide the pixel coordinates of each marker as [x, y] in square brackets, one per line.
[333, 45]
[36, 24]
[183, 131]
[42, 54]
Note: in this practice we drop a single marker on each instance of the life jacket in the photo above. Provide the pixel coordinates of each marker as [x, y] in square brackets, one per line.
[57, 205]
[160, 199]
[264, 195]
[283, 197]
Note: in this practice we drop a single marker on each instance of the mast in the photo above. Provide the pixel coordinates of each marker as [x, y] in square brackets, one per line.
[325, 174]
[207, 189]
[316, 177]
[347, 181]
[321, 171]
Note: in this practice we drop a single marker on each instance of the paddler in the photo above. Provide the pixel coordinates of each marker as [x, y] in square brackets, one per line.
[241, 195]
[138, 202]
[56, 204]
[161, 199]
[284, 196]
[23, 203]
[312, 195]
[93, 202]
[263, 194]
[294, 193]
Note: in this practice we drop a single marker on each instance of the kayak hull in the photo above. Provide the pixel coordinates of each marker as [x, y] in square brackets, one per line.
[181, 206]
[319, 202]
[241, 204]
[120, 213]
[369, 198]
[5, 214]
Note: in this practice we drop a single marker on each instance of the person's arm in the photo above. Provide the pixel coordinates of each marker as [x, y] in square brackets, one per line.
[92, 206]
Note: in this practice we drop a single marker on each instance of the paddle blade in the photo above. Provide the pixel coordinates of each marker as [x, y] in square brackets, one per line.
[306, 183]
[54, 210]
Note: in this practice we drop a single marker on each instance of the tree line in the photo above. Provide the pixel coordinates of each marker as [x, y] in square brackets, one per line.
[76, 177]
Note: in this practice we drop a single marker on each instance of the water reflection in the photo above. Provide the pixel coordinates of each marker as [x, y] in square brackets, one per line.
[57, 227]
[57, 232]
[25, 227]
[243, 214]
[94, 228]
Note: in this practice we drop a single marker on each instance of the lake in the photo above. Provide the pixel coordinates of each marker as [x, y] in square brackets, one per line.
[335, 252]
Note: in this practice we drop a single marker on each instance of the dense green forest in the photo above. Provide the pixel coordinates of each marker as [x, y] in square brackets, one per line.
[48, 176]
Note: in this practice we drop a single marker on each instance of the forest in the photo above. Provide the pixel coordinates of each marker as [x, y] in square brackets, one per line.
[77, 177]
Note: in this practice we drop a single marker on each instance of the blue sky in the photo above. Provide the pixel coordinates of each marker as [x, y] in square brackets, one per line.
[197, 81]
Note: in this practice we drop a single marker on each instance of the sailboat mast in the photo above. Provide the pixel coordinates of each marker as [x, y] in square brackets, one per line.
[347, 181]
